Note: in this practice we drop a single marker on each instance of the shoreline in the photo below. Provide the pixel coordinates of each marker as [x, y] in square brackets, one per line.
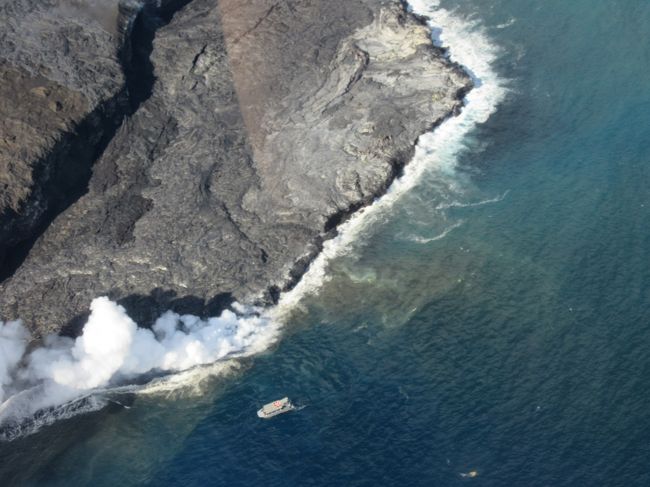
[306, 280]
[334, 222]
[340, 240]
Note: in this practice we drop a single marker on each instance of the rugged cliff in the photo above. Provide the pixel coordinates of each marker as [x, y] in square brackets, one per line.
[267, 123]
[62, 96]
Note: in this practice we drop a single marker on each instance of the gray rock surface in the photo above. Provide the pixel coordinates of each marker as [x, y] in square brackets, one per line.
[62, 92]
[269, 121]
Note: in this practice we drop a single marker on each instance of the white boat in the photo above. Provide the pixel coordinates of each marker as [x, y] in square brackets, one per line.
[276, 407]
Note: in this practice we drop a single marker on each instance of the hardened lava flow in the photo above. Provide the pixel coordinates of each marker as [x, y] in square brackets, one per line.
[243, 134]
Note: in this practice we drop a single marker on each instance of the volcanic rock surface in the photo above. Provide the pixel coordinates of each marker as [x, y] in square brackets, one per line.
[268, 122]
[62, 93]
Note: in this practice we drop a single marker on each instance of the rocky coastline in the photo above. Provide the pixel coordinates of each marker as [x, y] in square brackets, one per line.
[201, 150]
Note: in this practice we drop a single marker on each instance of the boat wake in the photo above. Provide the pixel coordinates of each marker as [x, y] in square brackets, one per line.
[69, 377]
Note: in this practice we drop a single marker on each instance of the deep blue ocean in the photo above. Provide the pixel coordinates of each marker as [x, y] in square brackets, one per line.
[495, 319]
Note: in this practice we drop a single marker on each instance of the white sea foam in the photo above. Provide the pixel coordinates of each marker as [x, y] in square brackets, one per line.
[504, 25]
[23, 418]
[191, 382]
[436, 151]
[460, 204]
[425, 240]
[67, 377]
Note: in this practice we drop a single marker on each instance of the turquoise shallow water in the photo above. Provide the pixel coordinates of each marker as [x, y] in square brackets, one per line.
[517, 345]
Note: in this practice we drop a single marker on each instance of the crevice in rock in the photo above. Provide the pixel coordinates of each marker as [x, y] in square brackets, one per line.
[62, 176]
[258, 23]
[198, 56]
[136, 52]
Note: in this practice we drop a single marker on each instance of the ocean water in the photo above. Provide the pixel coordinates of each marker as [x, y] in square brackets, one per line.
[491, 314]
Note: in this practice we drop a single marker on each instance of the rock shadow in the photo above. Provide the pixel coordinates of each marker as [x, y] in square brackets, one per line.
[144, 309]
[62, 176]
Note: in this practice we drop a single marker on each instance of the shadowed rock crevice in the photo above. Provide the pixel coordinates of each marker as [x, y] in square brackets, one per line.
[61, 176]
[136, 52]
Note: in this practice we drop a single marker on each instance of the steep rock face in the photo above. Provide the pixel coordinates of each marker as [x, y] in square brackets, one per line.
[62, 92]
[268, 121]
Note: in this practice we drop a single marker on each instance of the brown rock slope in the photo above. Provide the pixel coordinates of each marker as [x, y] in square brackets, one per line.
[62, 94]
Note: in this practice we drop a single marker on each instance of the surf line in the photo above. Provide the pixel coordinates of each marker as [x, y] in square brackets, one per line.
[468, 46]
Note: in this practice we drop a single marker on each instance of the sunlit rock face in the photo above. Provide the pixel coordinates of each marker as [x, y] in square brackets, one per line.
[267, 123]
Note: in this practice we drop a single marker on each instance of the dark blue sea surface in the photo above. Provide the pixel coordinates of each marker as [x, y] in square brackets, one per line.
[495, 319]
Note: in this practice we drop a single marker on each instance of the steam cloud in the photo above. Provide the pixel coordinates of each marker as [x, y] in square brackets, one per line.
[112, 349]
[13, 341]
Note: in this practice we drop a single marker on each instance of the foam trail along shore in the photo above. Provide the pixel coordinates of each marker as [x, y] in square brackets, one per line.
[436, 151]
[111, 350]
[67, 377]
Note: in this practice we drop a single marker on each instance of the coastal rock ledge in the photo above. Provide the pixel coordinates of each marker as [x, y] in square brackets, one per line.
[267, 124]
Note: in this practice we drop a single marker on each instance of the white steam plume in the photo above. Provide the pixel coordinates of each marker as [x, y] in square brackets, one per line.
[112, 349]
[13, 341]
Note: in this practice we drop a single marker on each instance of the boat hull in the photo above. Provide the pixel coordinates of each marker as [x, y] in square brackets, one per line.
[274, 408]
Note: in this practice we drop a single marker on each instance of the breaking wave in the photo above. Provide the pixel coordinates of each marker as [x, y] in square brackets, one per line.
[67, 377]
[436, 151]
[506, 24]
